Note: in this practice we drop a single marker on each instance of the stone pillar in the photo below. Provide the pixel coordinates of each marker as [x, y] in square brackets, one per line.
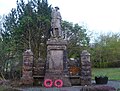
[85, 74]
[27, 78]
[56, 60]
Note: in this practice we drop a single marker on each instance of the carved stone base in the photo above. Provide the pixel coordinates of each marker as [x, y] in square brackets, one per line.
[57, 74]
[56, 61]
[27, 80]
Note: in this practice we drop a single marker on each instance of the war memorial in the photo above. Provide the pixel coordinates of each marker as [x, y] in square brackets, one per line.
[57, 71]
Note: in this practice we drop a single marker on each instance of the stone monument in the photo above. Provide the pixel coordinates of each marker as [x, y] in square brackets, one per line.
[27, 78]
[85, 74]
[56, 23]
[56, 48]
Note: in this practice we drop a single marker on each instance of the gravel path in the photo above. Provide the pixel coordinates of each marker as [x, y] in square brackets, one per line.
[115, 84]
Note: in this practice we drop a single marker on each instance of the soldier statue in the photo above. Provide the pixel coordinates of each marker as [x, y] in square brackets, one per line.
[56, 23]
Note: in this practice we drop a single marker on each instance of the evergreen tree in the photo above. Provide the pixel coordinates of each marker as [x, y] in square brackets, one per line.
[25, 27]
[28, 26]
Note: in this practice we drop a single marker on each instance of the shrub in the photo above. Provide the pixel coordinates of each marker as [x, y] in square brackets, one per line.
[111, 64]
[114, 64]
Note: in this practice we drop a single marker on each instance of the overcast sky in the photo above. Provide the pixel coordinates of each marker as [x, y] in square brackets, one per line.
[97, 15]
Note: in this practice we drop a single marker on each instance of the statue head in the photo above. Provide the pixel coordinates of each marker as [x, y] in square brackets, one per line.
[57, 8]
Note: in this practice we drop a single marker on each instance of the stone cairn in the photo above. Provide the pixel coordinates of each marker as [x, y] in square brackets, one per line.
[27, 67]
[85, 74]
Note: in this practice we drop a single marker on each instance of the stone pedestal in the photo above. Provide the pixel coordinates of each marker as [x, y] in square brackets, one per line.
[27, 78]
[56, 60]
[85, 74]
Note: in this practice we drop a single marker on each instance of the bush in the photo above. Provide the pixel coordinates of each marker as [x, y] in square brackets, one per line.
[113, 64]
[100, 64]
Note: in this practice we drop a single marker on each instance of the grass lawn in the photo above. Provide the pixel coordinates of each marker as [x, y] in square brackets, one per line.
[112, 73]
[2, 88]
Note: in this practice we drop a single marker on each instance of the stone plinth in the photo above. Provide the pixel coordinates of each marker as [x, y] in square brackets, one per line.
[85, 74]
[27, 78]
[56, 60]
[55, 53]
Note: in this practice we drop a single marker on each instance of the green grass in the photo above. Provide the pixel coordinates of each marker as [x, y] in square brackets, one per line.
[112, 73]
[2, 88]
[5, 88]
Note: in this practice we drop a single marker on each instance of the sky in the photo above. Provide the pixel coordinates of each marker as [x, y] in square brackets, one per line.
[100, 16]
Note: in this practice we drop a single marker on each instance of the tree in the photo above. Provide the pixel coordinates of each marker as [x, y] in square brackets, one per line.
[106, 49]
[77, 38]
[25, 27]
[28, 25]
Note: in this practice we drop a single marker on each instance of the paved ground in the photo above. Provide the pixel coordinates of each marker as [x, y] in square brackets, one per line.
[54, 89]
[115, 84]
